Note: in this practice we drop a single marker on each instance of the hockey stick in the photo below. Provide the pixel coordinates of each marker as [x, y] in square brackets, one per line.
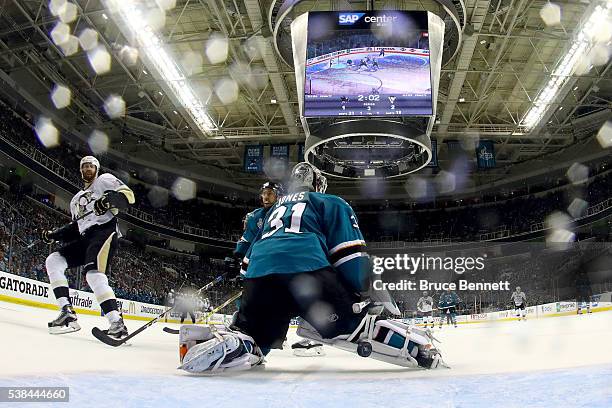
[32, 245]
[222, 305]
[170, 330]
[38, 241]
[206, 287]
[111, 341]
[212, 312]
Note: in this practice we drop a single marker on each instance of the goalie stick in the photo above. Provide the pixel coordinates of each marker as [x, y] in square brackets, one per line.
[111, 341]
[209, 314]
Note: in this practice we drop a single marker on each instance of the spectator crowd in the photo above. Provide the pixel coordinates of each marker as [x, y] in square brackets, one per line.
[220, 216]
[144, 274]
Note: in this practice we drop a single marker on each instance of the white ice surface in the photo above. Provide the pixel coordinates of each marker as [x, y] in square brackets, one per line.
[554, 362]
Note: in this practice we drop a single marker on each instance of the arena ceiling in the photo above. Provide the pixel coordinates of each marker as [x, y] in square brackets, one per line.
[506, 57]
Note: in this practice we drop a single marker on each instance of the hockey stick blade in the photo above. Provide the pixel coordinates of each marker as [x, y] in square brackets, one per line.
[171, 331]
[106, 339]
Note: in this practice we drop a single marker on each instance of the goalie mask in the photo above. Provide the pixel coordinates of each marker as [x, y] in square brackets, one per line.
[93, 161]
[305, 175]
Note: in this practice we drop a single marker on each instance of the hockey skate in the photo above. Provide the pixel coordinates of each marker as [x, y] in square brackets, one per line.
[66, 322]
[307, 348]
[117, 329]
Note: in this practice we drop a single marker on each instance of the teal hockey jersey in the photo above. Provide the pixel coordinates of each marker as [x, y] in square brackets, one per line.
[306, 231]
[448, 299]
[253, 222]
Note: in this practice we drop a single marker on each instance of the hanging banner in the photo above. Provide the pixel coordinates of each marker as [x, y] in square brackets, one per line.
[453, 146]
[253, 159]
[300, 152]
[485, 154]
[280, 152]
[434, 154]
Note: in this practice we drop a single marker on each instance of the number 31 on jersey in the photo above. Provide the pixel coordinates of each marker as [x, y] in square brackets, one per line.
[276, 220]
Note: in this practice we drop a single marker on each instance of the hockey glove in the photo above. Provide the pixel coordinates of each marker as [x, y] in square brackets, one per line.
[102, 205]
[110, 199]
[64, 233]
[45, 236]
[232, 267]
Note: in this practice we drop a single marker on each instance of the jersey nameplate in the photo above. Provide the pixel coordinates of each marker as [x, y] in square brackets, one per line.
[291, 198]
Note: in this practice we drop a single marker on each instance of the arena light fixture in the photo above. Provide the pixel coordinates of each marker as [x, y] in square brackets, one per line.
[562, 72]
[129, 15]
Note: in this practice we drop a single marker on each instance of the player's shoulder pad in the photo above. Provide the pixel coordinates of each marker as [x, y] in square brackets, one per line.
[109, 178]
[331, 199]
[106, 176]
[260, 211]
[256, 213]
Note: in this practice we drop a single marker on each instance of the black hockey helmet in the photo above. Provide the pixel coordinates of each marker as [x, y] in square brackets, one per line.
[276, 187]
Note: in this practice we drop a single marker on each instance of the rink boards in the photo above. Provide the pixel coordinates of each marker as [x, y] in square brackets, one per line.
[600, 302]
[30, 292]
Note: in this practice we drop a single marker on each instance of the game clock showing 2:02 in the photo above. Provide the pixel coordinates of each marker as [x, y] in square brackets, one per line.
[367, 63]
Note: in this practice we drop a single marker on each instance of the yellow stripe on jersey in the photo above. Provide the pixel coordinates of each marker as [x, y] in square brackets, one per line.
[128, 193]
[102, 257]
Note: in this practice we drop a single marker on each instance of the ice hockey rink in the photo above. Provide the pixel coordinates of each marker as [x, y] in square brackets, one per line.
[549, 362]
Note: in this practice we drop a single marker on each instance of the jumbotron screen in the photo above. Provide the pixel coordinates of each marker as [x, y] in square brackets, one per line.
[367, 63]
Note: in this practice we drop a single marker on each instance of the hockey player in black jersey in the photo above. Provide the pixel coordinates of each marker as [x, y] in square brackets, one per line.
[90, 241]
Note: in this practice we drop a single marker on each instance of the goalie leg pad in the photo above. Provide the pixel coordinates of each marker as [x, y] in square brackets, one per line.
[385, 340]
[205, 348]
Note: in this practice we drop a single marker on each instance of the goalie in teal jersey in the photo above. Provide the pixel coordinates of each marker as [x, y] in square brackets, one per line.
[310, 261]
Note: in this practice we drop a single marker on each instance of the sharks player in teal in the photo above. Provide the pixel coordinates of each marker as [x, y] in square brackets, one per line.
[448, 303]
[310, 262]
[253, 221]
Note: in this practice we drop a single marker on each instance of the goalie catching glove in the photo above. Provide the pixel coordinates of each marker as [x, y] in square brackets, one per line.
[110, 199]
[209, 349]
